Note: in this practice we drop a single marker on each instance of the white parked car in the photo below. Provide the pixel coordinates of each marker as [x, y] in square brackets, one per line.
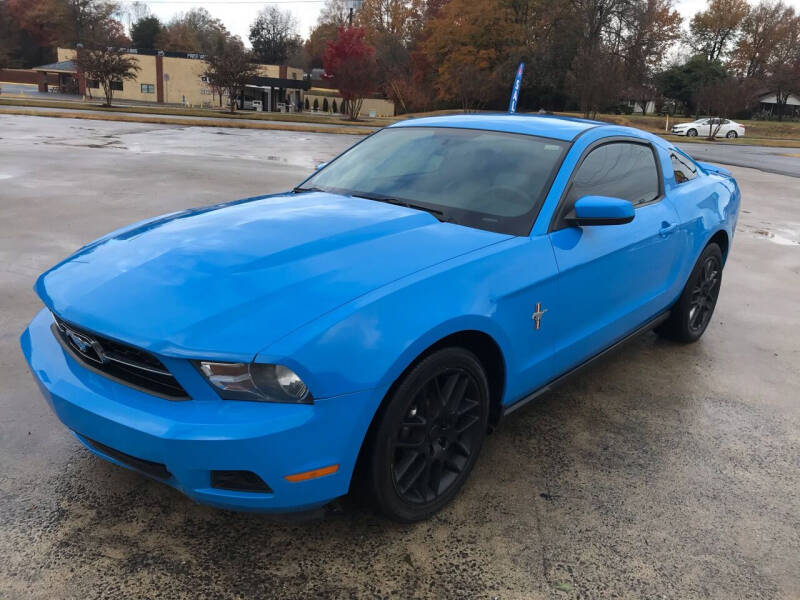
[704, 127]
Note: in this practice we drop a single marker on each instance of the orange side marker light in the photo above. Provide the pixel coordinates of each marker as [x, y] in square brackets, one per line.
[312, 474]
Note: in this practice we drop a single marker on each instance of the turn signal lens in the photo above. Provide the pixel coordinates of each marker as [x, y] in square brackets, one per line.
[313, 474]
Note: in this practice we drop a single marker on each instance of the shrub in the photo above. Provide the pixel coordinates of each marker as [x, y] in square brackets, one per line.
[316, 104]
[324, 105]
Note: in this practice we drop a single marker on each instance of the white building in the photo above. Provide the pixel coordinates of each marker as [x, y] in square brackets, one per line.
[769, 103]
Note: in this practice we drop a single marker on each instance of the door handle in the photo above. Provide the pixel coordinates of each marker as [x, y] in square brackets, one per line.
[667, 229]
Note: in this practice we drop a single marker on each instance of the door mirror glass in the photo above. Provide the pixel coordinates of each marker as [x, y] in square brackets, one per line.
[601, 210]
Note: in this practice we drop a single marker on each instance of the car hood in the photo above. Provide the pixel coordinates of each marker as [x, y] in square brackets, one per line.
[228, 280]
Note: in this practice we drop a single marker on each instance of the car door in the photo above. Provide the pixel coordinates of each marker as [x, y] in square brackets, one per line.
[613, 278]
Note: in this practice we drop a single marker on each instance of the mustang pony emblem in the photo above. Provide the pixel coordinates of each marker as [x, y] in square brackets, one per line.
[537, 316]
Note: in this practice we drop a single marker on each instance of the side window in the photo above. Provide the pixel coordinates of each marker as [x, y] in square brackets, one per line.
[684, 169]
[619, 170]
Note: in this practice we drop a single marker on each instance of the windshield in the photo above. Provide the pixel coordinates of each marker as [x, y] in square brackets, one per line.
[485, 179]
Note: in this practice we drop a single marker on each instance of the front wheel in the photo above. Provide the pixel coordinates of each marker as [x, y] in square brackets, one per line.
[692, 312]
[731, 135]
[691, 133]
[429, 435]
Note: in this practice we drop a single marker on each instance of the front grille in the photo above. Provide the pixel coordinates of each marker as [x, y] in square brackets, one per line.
[148, 467]
[127, 364]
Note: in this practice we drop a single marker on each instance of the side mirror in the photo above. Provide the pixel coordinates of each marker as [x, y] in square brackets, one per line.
[601, 210]
[321, 166]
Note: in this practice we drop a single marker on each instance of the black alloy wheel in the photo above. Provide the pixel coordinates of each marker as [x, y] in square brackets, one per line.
[692, 312]
[429, 435]
[704, 294]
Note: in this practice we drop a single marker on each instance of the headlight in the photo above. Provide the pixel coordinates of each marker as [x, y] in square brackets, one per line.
[253, 381]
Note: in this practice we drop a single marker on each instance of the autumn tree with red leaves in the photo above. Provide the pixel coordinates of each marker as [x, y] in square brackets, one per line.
[350, 60]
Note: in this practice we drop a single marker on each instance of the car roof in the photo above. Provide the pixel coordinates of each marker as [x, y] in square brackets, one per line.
[550, 126]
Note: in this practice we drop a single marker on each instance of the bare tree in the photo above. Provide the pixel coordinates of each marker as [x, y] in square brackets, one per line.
[713, 30]
[108, 67]
[784, 67]
[231, 70]
[274, 35]
[761, 32]
[724, 98]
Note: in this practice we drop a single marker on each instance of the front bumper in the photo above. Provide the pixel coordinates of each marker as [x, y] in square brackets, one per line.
[194, 437]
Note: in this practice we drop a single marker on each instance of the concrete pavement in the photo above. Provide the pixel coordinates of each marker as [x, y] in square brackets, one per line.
[665, 471]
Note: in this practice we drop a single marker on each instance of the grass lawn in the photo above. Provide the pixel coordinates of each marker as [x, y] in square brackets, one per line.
[305, 117]
[754, 130]
[760, 133]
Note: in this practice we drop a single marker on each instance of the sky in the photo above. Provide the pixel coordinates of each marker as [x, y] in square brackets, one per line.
[238, 14]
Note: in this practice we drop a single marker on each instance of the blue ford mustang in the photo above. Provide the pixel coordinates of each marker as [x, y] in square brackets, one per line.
[375, 322]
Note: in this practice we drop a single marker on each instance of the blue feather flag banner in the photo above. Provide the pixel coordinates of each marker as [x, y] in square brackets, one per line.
[512, 105]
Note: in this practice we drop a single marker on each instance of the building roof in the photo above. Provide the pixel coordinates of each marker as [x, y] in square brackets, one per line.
[771, 98]
[280, 82]
[551, 126]
[65, 66]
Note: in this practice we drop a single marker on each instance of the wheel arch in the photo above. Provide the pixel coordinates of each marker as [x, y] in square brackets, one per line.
[488, 351]
[721, 239]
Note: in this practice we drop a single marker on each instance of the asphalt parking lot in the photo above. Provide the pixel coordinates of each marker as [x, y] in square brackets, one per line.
[665, 471]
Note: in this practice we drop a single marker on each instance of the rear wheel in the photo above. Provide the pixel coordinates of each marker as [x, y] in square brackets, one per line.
[692, 312]
[429, 435]
[692, 133]
[731, 134]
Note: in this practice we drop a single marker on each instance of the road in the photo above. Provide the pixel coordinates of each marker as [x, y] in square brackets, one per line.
[781, 161]
[665, 471]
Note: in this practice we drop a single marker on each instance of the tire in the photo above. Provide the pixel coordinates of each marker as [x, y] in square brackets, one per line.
[732, 135]
[691, 133]
[424, 447]
[692, 313]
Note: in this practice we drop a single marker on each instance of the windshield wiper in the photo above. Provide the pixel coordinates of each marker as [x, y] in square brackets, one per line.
[299, 189]
[390, 200]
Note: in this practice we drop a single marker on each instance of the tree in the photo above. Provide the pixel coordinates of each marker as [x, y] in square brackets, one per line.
[596, 80]
[783, 69]
[91, 23]
[351, 62]
[194, 31]
[713, 30]
[274, 35]
[145, 32]
[41, 22]
[334, 108]
[724, 98]
[649, 29]
[468, 47]
[230, 70]
[761, 31]
[316, 104]
[325, 105]
[334, 12]
[682, 82]
[399, 19]
[107, 66]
